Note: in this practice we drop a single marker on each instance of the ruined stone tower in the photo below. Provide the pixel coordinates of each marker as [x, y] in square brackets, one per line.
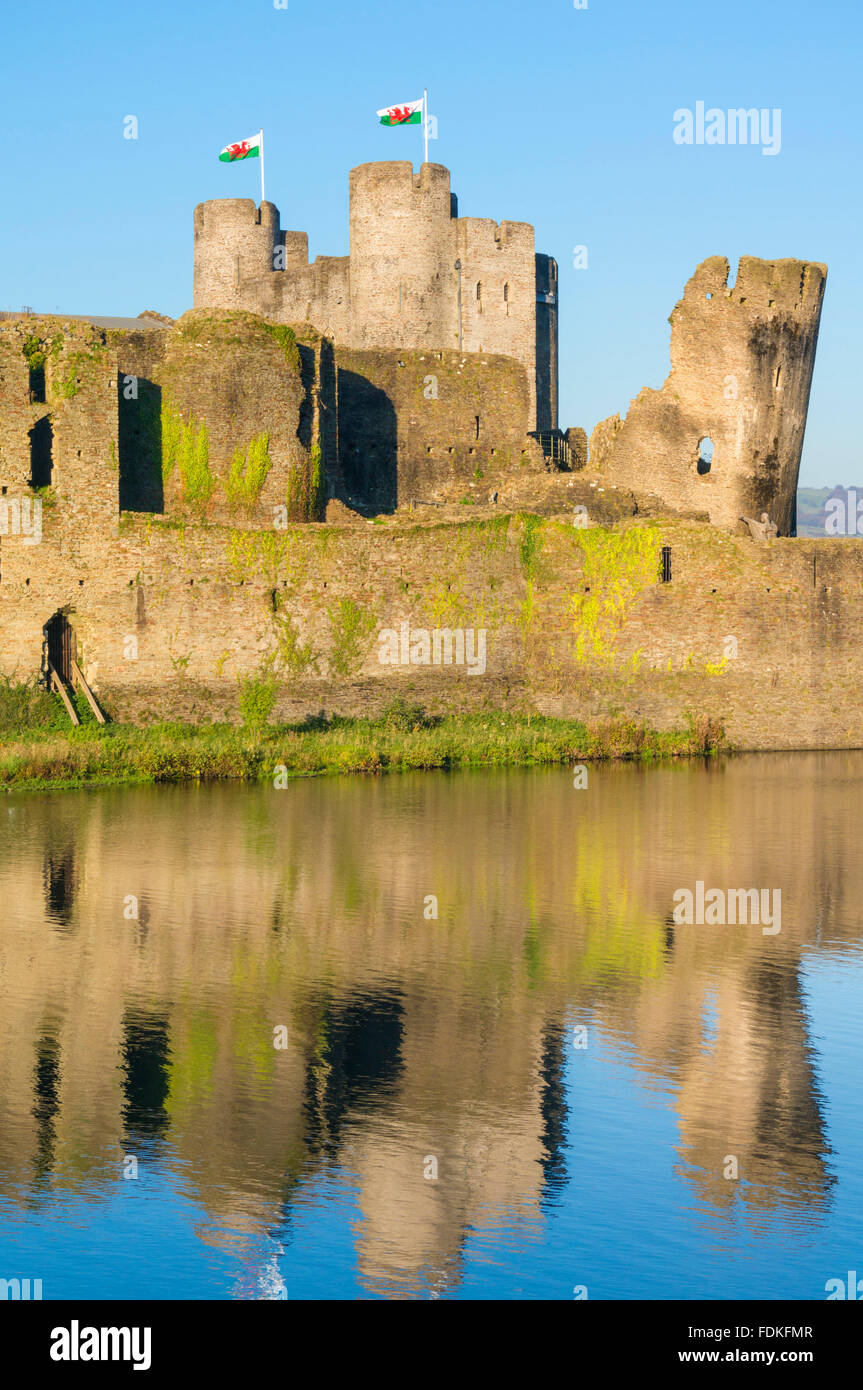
[725, 433]
[418, 276]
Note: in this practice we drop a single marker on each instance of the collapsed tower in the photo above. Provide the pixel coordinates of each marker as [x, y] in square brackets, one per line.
[724, 434]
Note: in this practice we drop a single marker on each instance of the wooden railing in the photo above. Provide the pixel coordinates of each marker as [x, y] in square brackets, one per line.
[78, 678]
[555, 446]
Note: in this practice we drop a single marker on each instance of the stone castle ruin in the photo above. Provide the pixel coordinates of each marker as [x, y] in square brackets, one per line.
[418, 276]
[176, 467]
[725, 433]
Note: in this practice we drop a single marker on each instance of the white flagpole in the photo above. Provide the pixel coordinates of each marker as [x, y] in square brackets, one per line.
[426, 122]
[262, 165]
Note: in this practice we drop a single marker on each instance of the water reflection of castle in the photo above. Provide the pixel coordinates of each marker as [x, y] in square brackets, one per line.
[408, 1038]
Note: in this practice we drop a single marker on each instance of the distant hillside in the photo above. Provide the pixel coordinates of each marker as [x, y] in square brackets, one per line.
[812, 513]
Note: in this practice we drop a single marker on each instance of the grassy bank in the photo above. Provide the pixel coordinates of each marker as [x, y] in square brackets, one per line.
[37, 750]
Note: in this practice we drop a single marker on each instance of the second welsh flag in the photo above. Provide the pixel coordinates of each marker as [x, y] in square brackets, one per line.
[242, 149]
[409, 113]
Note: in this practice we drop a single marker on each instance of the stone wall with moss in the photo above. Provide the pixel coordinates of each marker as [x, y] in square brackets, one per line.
[223, 417]
[212, 429]
[58, 419]
[170, 616]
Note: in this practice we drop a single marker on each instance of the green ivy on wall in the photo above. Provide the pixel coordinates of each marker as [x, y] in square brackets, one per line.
[248, 472]
[306, 500]
[186, 446]
[350, 626]
[616, 568]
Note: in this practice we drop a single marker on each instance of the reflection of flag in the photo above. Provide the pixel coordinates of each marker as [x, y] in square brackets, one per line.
[243, 149]
[410, 113]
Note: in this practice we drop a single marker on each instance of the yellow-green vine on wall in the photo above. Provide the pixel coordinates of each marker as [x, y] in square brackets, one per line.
[248, 472]
[186, 445]
[616, 568]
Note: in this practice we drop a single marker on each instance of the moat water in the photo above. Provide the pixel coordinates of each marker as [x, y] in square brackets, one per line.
[434, 1036]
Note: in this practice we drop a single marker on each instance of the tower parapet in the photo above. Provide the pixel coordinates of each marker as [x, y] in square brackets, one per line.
[235, 250]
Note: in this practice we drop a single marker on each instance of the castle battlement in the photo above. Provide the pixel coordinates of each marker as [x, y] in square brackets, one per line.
[784, 287]
[484, 231]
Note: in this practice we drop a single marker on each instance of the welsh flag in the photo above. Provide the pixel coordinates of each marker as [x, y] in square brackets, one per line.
[411, 113]
[242, 149]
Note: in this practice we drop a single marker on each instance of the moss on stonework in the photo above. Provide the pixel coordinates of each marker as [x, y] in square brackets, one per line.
[531, 544]
[350, 627]
[34, 352]
[287, 341]
[186, 446]
[616, 568]
[248, 472]
[237, 328]
[258, 555]
[306, 500]
[290, 654]
[79, 365]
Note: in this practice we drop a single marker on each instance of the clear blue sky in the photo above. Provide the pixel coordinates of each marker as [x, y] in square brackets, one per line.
[546, 114]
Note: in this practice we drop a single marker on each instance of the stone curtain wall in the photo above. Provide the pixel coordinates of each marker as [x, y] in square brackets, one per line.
[411, 425]
[168, 616]
[741, 370]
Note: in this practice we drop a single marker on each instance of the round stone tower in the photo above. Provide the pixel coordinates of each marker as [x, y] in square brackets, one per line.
[234, 244]
[404, 282]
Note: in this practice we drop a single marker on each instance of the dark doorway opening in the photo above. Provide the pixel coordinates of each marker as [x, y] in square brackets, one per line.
[60, 638]
[41, 453]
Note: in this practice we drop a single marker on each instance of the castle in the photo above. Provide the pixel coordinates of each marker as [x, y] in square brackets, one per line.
[418, 276]
[203, 487]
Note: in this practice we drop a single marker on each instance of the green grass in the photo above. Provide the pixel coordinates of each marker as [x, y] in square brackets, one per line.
[405, 738]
